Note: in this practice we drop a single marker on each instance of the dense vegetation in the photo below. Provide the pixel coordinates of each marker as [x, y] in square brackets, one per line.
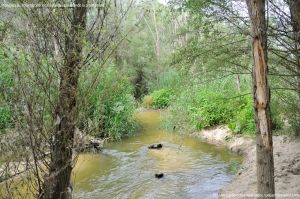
[90, 69]
[108, 112]
[196, 106]
[207, 88]
[197, 71]
[208, 80]
[6, 89]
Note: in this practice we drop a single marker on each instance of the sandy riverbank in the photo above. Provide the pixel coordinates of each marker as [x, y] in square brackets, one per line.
[286, 158]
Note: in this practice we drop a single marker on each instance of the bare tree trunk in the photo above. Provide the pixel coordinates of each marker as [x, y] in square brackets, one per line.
[57, 184]
[294, 6]
[261, 94]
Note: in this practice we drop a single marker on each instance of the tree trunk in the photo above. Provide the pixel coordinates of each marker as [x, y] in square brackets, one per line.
[57, 184]
[261, 95]
[294, 6]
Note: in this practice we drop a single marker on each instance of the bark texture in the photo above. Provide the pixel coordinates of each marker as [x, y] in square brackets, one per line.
[294, 6]
[57, 184]
[261, 94]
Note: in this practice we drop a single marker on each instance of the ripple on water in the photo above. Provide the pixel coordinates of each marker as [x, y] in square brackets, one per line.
[192, 169]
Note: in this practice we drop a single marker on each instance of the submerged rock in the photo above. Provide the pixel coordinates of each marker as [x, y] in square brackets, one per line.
[159, 175]
[157, 146]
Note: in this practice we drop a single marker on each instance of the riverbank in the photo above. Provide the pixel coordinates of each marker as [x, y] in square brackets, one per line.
[286, 159]
[220, 135]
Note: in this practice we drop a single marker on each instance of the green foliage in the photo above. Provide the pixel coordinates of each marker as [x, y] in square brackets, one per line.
[5, 118]
[284, 111]
[163, 89]
[243, 121]
[209, 109]
[6, 77]
[161, 98]
[178, 115]
[6, 90]
[277, 115]
[109, 111]
[198, 107]
[169, 78]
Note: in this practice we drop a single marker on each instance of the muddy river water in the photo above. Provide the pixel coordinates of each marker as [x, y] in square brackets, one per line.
[126, 169]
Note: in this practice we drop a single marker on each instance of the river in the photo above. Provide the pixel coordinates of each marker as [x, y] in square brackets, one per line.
[126, 169]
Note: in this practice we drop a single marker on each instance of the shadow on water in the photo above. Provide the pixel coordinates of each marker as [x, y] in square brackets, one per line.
[126, 169]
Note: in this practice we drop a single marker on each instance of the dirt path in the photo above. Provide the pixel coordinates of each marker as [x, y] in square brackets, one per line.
[286, 158]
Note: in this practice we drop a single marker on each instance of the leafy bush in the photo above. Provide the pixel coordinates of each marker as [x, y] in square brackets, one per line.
[243, 121]
[5, 118]
[6, 90]
[197, 107]
[110, 110]
[178, 116]
[161, 98]
[210, 109]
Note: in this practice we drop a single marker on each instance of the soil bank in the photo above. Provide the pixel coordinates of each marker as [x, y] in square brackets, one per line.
[286, 160]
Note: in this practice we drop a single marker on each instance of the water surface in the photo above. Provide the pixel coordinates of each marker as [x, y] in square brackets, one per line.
[193, 169]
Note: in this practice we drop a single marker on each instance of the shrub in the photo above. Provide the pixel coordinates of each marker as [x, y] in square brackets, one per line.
[277, 114]
[5, 118]
[197, 107]
[109, 112]
[177, 116]
[161, 98]
[6, 90]
[209, 109]
[243, 121]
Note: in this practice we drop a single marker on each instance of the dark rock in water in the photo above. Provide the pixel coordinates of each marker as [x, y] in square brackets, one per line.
[153, 146]
[159, 175]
